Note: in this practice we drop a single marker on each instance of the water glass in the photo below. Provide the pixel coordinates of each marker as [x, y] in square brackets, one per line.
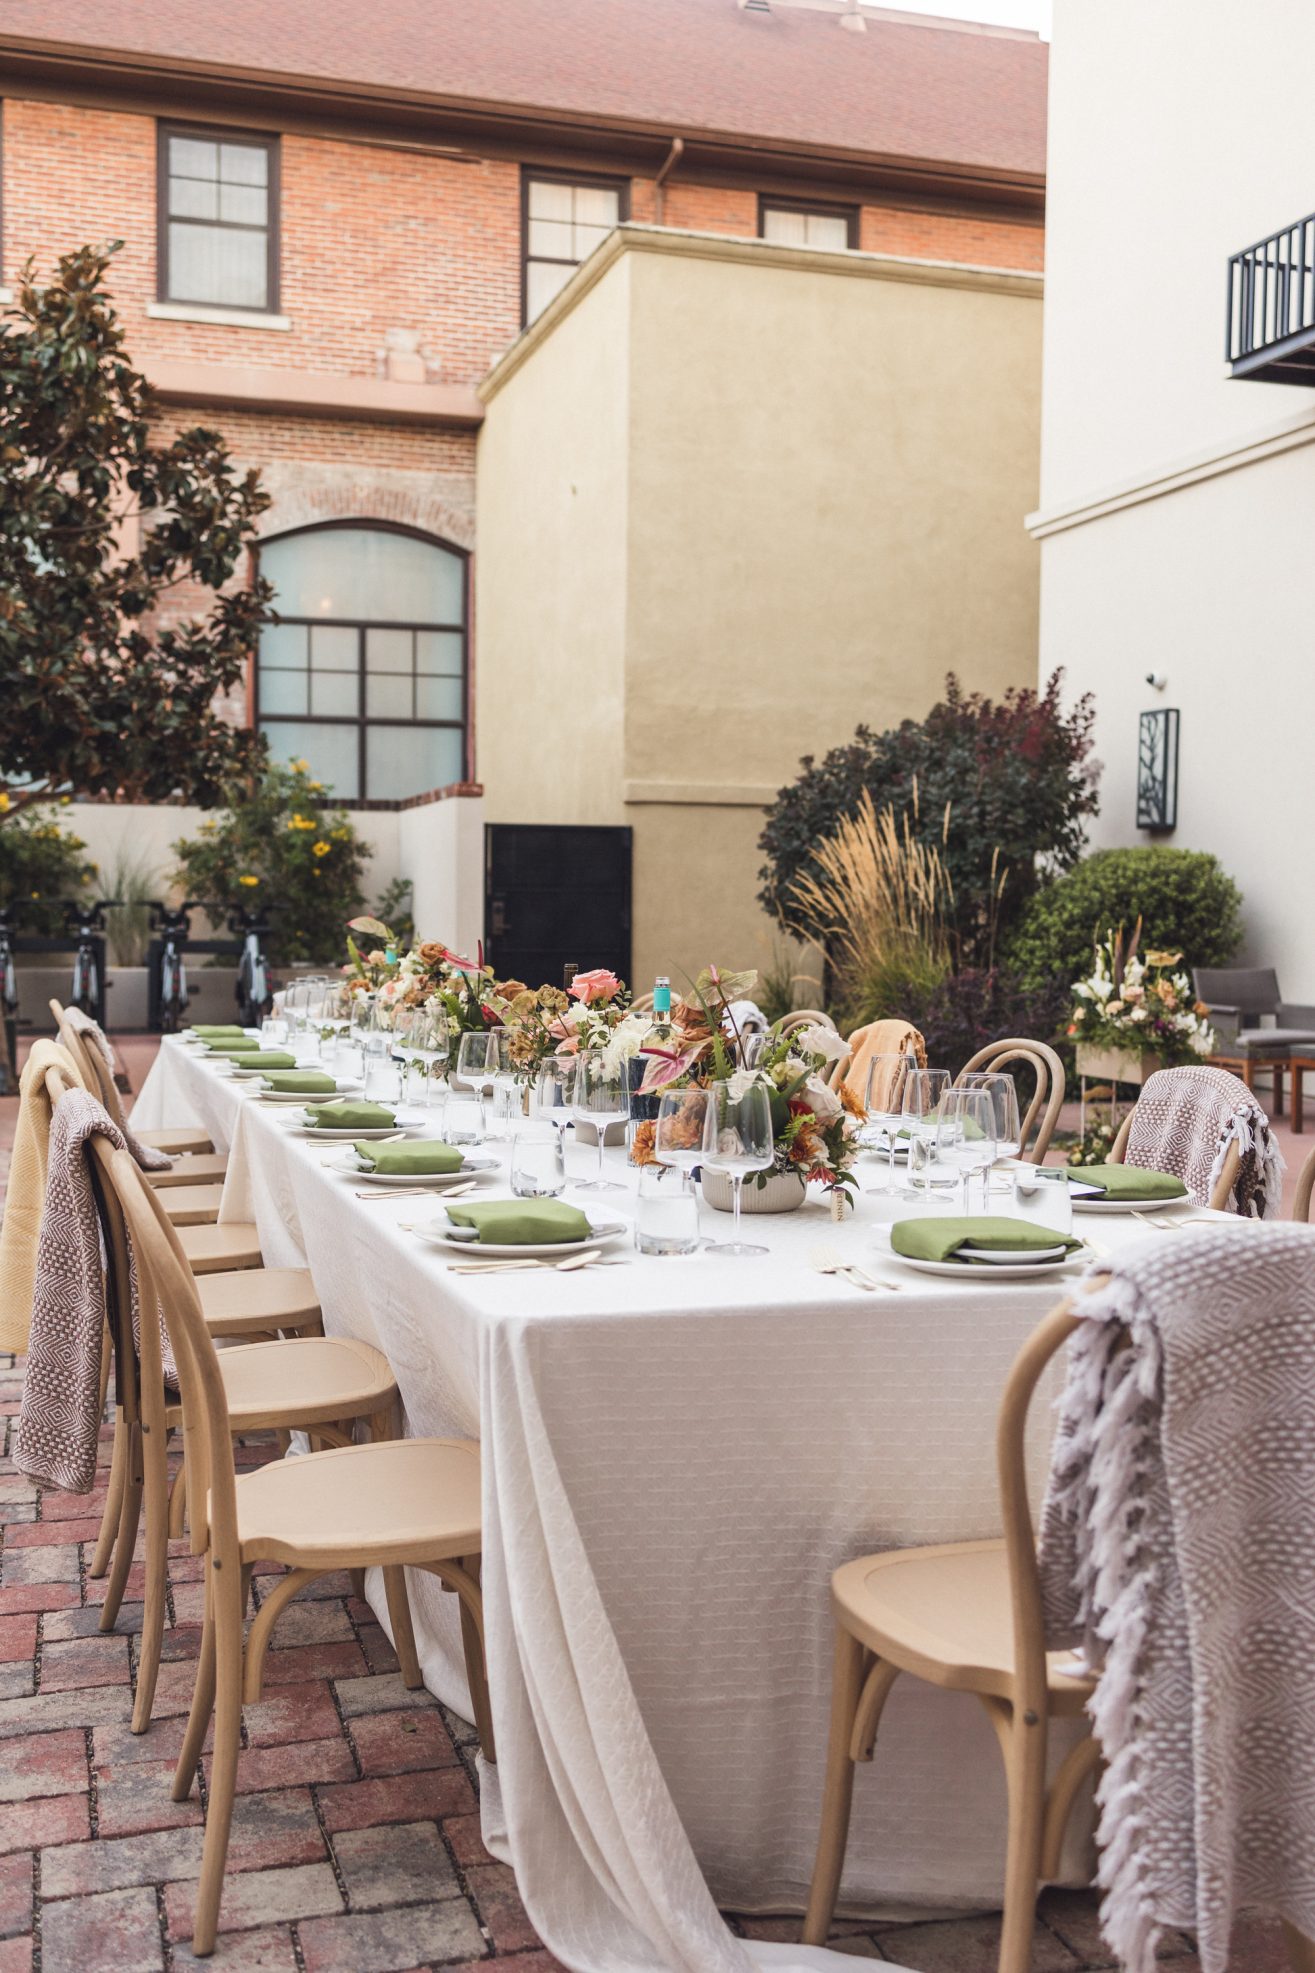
[965, 1135]
[923, 1089]
[273, 1031]
[739, 1140]
[383, 1080]
[667, 1213]
[1003, 1091]
[1041, 1194]
[538, 1168]
[884, 1104]
[463, 1115]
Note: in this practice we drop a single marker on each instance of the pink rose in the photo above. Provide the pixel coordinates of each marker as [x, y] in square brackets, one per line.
[598, 985]
[569, 1047]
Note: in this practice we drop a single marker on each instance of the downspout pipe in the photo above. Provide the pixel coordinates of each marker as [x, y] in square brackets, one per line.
[672, 159]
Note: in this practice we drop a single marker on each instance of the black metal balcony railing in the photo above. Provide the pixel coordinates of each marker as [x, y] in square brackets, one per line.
[1271, 307]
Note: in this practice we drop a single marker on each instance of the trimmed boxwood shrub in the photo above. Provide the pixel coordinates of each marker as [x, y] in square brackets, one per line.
[1185, 900]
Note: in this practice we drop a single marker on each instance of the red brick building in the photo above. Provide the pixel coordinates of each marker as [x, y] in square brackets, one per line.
[337, 217]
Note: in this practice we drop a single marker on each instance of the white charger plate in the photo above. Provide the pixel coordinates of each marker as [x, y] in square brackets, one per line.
[473, 1168]
[1131, 1205]
[299, 1095]
[605, 1234]
[1008, 1256]
[331, 1136]
[975, 1271]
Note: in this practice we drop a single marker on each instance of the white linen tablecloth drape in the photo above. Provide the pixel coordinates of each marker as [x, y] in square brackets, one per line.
[677, 1454]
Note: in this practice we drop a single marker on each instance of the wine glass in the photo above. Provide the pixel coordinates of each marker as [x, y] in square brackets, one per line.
[474, 1071]
[965, 1133]
[408, 1024]
[599, 1097]
[680, 1127]
[1004, 1094]
[506, 1083]
[923, 1089]
[738, 1139]
[884, 1103]
[430, 1040]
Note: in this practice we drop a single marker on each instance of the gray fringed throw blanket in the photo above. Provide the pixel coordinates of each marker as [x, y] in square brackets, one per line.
[1185, 1122]
[59, 1420]
[1178, 1540]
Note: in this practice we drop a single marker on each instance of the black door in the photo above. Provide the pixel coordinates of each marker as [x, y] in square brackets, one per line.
[555, 897]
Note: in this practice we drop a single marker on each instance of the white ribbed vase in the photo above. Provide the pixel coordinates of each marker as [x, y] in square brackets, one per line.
[782, 1192]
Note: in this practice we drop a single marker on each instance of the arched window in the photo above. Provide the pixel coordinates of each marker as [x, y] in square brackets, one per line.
[365, 673]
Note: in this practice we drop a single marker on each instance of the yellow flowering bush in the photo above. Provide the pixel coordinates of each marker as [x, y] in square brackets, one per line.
[41, 865]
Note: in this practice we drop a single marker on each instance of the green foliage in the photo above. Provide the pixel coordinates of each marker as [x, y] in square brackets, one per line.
[279, 846]
[41, 865]
[128, 930]
[1095, 1147]
[100, 696]
[394, 908]
[1002, 789]
[889, 984]
[966, 1010]
[1184, 899]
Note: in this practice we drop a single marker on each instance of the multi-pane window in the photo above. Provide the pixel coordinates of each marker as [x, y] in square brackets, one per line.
[564, 221]
[218, 219]
[808, 226]
[364, 675]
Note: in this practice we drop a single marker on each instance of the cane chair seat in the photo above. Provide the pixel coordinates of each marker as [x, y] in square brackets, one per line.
[302, 1381]
[399, 1500]
[207, 1168]
[192, 1205]
[213, 1249]
[176, 1143]
[258, 1301]
[945, 1615]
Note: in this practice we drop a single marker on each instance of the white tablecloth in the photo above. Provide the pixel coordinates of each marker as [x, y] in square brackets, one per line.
[677, 1454]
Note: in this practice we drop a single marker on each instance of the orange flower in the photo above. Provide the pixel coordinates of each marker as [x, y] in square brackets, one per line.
[641, 1150]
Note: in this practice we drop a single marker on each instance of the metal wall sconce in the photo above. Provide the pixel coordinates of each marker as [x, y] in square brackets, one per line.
[1157, 771]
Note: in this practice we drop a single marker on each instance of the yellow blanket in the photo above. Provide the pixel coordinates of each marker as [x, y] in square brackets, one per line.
[26, 1191]
[881, 1038]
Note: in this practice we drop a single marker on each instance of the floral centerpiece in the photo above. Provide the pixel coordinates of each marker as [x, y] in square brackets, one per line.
[552, 1021]
[1137, 1004]
[815, 1126]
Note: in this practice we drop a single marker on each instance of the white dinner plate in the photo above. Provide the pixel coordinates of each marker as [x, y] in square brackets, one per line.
[331, 1136]
[299, 1095]
[974, 1270]
[605, 1233]
[477, 1168]
[1130, 1205]
[1007, 1256]
[264, 1072]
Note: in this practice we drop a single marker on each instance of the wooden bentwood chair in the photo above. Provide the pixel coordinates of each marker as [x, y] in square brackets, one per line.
[196, 1162]
[403, 1503]
[1048, 1097]
[965, 1616]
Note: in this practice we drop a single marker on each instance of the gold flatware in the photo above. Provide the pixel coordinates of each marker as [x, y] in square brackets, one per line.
[827, 1261]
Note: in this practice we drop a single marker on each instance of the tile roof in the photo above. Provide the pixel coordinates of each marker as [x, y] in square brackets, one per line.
[909, 88]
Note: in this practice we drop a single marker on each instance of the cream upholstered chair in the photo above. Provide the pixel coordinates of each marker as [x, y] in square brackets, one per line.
[409, 1502]
[201, 1162]
[1048, 1097]
[318, 1384]
[967, 1617]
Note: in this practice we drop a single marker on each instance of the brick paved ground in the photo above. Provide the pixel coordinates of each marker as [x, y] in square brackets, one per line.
[356, 1845]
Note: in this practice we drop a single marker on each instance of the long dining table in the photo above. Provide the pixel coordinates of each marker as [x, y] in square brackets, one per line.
[677, 1452]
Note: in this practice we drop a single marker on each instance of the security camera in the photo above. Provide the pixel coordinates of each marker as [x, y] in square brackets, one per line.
[1157, 680]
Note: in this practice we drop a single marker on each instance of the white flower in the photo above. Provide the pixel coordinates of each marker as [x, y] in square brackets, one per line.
[624, 1040]
[742, 1081]
[1137, 1014]
[820, 1041]
[823, 1102]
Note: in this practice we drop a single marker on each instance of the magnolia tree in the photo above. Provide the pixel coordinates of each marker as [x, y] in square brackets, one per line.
[97, 526]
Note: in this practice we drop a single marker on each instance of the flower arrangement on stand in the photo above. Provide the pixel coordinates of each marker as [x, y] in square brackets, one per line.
[1140, 1004]
[815, 1127]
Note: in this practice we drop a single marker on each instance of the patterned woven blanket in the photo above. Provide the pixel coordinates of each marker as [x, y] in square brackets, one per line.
[1186, 1121]
[102, 1061]
[59, 1420]
[1178, 1539]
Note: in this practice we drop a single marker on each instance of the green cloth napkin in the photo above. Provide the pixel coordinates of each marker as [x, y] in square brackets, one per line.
[348, 1116]
[299, 1082]
[416, 1158]
[254, 1058]
[522, 1222]
[936, 1239]
[1128, 1182]
[218, 1033]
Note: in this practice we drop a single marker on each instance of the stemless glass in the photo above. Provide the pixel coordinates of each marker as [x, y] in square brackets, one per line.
[538, 1169]
[738, 1140]
[965, 1134]
[667, 1212]
[923, 1089]
[1041, 1194]
[885, 1110]
[599, 1097]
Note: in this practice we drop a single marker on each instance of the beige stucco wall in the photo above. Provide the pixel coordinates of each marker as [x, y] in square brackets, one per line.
[1175, 519]
[809, 474]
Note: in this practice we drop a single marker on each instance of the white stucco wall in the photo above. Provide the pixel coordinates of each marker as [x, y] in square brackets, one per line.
[1177, 502]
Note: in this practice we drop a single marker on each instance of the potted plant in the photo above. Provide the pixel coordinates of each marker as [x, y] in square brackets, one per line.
[1132, 1016]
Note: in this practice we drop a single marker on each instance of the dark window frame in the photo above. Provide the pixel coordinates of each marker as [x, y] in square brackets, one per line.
[850, 215]
[270, 142]
[531, 174]
[361, 624]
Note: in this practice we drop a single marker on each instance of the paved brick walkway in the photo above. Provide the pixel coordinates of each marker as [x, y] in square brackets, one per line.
[356, 1845]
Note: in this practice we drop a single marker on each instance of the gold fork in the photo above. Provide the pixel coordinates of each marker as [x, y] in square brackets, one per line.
[827, 1261]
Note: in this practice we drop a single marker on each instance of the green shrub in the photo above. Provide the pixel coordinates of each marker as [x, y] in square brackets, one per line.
[279, 845]
[1185, 901]
[42, 866]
